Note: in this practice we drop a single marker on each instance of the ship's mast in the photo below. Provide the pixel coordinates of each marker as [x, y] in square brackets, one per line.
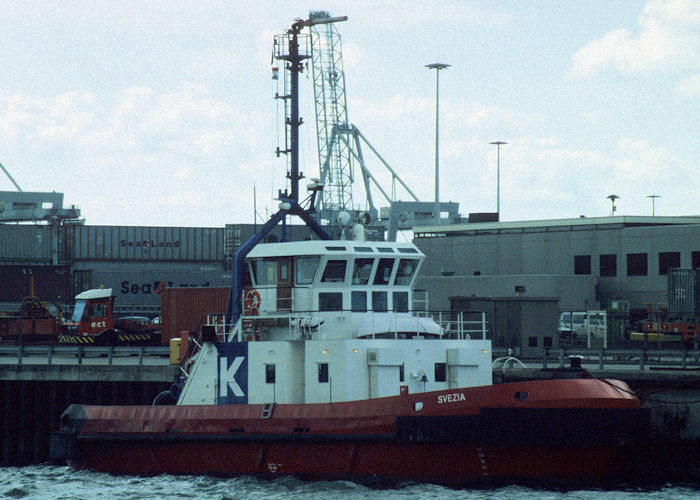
[292, 48]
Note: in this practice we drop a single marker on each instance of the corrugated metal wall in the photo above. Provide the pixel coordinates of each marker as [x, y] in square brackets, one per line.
[139, 283]
[684, 293]
[237, 234]
[144, 243]
[25, 242]
[35, 243]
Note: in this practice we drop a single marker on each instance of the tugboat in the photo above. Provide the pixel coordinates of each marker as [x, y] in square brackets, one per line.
[323, 367]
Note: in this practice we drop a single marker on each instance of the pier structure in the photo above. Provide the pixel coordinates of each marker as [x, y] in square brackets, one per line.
[33, 397]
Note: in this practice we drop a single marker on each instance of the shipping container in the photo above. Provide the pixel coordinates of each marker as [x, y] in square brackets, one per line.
[138, 284]
[51, 283]
[26, 243]
[237, 234]
[109, 243]
[183, 308]
[684, 294]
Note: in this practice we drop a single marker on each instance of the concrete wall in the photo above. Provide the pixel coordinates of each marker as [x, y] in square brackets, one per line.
[571, 292]
[551, 250]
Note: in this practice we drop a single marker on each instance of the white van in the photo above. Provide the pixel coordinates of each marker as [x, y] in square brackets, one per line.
[579, 325]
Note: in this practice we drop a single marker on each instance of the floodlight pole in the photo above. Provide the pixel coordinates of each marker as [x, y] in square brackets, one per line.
[498, 145]
[653, 199]
[437, 67]
[612, 199]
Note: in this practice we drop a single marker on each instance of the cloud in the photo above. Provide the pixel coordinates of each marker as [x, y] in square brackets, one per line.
[135, 151]
[690, 86]
[416, 15]
[668, 37]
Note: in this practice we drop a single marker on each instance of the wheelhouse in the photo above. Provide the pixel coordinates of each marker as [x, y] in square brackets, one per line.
[338, 276]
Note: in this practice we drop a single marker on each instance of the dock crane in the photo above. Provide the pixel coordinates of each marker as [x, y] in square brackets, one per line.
[340, 148]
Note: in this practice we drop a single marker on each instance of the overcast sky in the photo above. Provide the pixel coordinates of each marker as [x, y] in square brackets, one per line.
[162, 112]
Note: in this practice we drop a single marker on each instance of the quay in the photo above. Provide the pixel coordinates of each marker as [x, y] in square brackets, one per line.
[33, 397]
[35, 391]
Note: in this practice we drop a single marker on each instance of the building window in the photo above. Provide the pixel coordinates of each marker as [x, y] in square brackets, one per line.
[608, 265]
[323, 373]
[269, 374]
[400, 301]
[532, 341]
[636, 264]
[440, 372]
[582, 264]
[379, 302]
[330, 301]
[667, 260]
[358, 301]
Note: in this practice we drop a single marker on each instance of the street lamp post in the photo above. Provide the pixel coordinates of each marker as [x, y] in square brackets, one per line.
[437, 67]
[653, 199]
[498, 176]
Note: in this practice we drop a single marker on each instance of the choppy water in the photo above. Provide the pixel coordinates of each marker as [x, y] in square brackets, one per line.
[50, 482]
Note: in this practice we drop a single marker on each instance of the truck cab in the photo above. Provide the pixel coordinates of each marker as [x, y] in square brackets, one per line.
[92, 314]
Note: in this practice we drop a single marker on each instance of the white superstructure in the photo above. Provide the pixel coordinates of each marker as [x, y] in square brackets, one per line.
[328, 321]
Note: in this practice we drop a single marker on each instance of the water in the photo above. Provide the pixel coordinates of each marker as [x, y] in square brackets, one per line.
[50, 482]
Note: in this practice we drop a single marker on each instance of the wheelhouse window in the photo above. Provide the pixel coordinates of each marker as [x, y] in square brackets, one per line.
[264, 271]
[330, 301]
[400, 301]
[383, 272]
[306, 269]
[358, 301]
[405, 271]
[361, 271]
[334, 271]
[667, 260]
[379, 302]
[695, 260]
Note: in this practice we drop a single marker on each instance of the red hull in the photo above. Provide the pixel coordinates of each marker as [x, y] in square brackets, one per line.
[558, 429]
[437, 462]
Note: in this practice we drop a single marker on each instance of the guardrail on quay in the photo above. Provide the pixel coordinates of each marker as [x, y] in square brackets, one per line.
[139, 355]
[629, 358]
[69, 354]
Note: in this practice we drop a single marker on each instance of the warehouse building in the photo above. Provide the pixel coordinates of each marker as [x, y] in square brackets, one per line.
[524, 274]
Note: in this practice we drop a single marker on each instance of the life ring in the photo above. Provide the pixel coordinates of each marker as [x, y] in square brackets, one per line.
[251, 303]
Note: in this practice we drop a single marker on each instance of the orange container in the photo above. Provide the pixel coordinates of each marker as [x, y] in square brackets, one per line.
[182, 308]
